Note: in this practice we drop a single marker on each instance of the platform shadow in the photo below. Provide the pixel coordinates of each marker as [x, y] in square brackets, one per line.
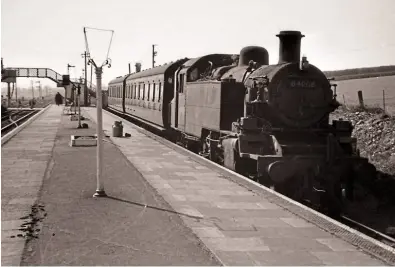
[155, 208]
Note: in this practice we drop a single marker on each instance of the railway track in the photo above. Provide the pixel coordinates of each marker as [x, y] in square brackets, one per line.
[15, 119]
[377, 235]
[368, 231]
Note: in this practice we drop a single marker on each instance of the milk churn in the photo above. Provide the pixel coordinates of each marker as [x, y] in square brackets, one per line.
[117, 129]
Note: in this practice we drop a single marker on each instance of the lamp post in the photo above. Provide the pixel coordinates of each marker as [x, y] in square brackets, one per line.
[99, 70]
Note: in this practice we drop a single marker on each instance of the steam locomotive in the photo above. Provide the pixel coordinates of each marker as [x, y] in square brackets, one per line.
[268, 122]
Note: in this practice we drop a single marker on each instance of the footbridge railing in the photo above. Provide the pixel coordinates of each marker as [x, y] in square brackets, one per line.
[32, 73]
[38, 73]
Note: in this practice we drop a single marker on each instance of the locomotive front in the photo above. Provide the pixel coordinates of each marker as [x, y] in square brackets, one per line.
[284, 138]
[298, 93]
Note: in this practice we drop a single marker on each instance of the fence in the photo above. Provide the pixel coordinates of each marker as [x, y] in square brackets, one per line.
[386, 102]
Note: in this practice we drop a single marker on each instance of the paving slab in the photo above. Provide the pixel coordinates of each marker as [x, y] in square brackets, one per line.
[132, 226]
[235, 238]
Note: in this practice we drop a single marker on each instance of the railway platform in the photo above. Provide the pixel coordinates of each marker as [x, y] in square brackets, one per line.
[165, 206]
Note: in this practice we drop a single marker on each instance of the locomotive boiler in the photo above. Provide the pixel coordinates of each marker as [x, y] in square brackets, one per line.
[267, 122]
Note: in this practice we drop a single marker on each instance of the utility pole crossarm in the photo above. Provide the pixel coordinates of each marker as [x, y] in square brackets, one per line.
[154, 54]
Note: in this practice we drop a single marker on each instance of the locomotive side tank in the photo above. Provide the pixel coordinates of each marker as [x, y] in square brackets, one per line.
[204, 101]
[183, 103]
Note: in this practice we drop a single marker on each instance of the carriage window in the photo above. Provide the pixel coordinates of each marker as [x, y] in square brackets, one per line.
[153, 91]
[160, 92]
[131, 91]
[142, 91]
[149, 91]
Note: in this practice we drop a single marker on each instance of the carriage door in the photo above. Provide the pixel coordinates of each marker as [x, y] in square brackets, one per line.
[175, 102]
[181, 103]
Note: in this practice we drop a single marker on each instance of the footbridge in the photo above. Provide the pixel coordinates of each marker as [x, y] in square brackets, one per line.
[9, 75]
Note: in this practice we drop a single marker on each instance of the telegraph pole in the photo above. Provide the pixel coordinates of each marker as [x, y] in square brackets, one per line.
[91, 76]
[32, 89]
[16, 92]
[39, 89]
[154, 54]
[8, 94]
[85, 55]
[79, 105]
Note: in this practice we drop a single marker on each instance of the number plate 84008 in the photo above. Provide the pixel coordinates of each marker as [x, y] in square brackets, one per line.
[302, 83]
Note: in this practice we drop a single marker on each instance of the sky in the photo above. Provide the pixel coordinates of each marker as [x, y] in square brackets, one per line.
[49, 33]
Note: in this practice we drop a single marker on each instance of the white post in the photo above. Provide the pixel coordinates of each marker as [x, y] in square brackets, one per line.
[100, 187]
[75, 101]
[79, 110]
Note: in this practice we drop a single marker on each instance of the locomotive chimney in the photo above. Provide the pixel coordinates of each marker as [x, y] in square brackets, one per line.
[289, 46]
[138, 67]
